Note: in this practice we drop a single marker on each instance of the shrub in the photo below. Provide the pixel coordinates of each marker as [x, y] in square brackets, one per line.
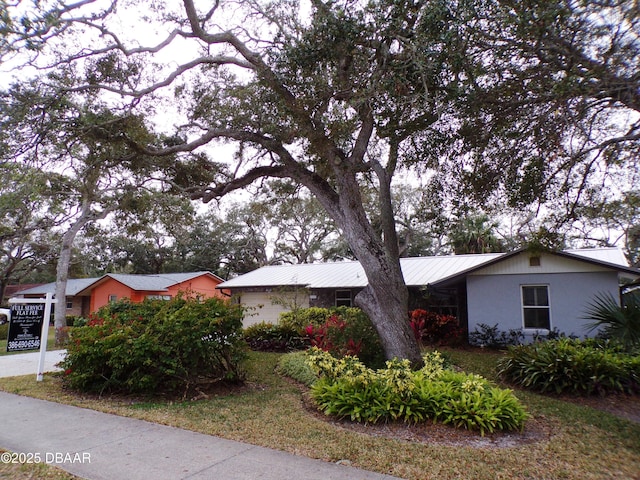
[301, 318]
[348, 331]
[491, 337]
[295, 365]
[621, 323]
[80, 322]
[571, 366]
[4, 331]
[435, 328]
[156, 346]
[348, 389]
[267, 337]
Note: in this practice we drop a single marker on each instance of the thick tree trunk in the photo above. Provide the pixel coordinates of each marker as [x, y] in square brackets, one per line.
[385, 299]
[62, 269]
[385, 302]
[62, 274]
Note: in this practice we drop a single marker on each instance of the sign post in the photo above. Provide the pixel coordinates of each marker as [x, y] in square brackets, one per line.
[29, 327]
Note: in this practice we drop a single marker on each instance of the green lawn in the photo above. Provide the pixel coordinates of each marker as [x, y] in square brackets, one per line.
[579, 442]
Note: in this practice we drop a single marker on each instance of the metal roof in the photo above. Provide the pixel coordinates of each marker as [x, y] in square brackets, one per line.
[417, 271]
[612, 255]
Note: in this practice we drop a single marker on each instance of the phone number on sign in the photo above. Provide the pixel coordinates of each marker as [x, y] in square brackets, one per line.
[46, 457]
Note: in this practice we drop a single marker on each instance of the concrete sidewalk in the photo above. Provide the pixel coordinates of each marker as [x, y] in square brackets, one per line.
[97, 446]
[27, 363]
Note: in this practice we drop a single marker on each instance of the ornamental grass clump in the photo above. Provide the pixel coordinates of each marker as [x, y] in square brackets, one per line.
[348, 389]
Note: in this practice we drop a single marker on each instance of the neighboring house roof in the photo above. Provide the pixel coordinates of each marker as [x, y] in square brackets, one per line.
[417, 271]
[148, 283]
[83, 286]
[74, 286]
[11, 290]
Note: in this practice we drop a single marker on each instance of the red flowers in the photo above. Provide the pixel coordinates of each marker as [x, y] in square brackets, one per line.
[330, 337]
[435, 327]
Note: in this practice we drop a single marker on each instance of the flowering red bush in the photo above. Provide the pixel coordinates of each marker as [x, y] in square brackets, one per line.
[331, 337]
[431, 327]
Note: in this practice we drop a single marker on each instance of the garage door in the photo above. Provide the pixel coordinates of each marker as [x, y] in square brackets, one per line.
[260, 306]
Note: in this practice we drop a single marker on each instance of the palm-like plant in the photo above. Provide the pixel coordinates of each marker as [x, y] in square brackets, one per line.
[618, 322]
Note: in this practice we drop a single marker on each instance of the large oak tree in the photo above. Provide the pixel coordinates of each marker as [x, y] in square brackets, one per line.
[494, 96]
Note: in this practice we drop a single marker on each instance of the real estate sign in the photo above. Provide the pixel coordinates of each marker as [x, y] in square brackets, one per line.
[25, 326]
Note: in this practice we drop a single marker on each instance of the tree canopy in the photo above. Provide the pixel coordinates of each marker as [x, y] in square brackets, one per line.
[497, 101]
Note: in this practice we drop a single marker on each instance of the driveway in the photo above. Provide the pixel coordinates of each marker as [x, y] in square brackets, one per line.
[27, 363]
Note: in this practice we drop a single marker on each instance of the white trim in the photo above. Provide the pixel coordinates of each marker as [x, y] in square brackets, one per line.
[533, 331]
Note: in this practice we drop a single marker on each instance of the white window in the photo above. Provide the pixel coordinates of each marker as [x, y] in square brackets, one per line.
[113, 298]
[343, 298]
[158, 297]
[69, 304]
[535, 307]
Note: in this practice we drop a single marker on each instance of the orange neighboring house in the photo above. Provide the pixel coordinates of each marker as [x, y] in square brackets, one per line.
[114, 286]
[92, 293]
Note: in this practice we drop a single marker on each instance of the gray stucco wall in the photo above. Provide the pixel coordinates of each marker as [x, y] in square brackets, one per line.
[497, 299]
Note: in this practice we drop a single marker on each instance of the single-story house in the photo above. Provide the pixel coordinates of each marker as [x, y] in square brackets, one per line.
[75, 304]
[530, 291]
[87, 295]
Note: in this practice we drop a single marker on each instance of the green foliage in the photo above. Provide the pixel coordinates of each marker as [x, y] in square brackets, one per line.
[304, 317]
[571, 366]
[348, 389]
[156, 346]
[621, 323]
[492, 337]
[268, 337]
[435, 328]
[72, 320]
[344, 331]
[296, 366]
[4, 331]
[80, 322]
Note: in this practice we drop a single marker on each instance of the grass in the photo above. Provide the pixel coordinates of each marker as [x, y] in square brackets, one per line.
[40, 471]
[51, 344]
[583, 444]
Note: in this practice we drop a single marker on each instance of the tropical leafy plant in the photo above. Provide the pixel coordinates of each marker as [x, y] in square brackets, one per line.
[618, 322]
[339, 330]
[435, 328]
[348, 389]
[571, 366]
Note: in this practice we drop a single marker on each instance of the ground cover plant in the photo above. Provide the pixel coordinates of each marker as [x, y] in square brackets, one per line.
[562, 440]
[572, 366]
[348, 389]
[156, 346]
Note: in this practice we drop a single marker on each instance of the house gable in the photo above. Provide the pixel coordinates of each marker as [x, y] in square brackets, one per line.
[543, 263]
[108, 290]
